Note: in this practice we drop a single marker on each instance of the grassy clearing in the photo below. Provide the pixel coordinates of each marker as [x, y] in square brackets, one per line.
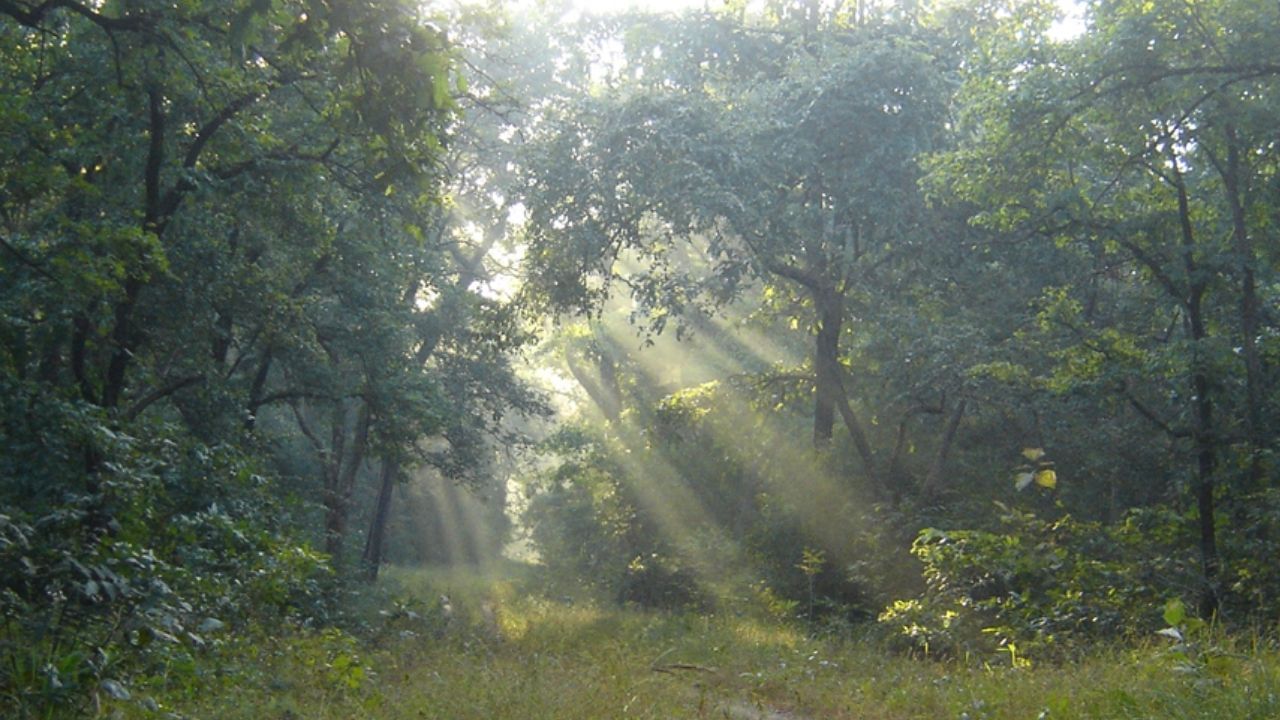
[498, 653]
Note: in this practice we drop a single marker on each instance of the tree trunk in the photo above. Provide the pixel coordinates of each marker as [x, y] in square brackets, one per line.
[604, 392]
[124, 337]
[340, 478]
[829, 392]
[79, 341]
[609, 385]
[256, 390]
[1205, 463]
[937, 470]
[859, 439]
[1249, 315]
[378, 526]
[826, 365]
[1203, 434]
[896, 476]
[1206, 459]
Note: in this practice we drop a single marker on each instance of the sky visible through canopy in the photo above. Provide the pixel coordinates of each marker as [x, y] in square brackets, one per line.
[1071, 24]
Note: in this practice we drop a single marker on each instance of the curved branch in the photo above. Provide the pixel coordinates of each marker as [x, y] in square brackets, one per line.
[1151, 415]
[32, 17]
[160, 393]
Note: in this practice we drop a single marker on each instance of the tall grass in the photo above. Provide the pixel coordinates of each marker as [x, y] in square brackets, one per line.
[494, 651]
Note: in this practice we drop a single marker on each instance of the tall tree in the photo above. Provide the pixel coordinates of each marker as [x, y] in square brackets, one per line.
[782, 152]
[219, 213]
[1142, 144]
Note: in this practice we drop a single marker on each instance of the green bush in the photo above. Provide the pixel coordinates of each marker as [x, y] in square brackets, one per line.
[1251, 581]
[704, 505]
[180, 546]
[588, 528]
[1041, 587]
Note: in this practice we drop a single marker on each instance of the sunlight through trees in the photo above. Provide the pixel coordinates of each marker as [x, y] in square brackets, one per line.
[942, 330]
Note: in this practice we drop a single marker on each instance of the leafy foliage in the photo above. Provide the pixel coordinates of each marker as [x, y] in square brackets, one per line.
[226, 286]
[1039, 587]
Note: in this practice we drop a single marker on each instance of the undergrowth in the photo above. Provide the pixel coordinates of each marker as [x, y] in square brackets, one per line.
[467, 645]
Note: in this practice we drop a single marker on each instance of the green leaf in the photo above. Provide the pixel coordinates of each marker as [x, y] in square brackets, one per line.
[1174, 612]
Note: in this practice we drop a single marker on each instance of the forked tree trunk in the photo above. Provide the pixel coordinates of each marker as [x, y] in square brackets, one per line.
[340, 479]
[933, 481]
[830, 396]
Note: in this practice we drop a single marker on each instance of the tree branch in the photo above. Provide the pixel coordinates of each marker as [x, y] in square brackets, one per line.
[306, 429]
[290, 394]
[160, 393]
[32, 17]
[207, 131]
[22, 258]
[1150, 415]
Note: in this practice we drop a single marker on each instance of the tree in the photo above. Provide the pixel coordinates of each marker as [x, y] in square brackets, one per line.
[1141, 145]
[784, 153]
[466, 323]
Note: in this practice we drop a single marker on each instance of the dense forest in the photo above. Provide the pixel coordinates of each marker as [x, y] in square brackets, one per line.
[347, 344]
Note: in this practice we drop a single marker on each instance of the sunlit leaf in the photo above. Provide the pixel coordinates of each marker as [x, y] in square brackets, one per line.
[1174, 612]
[1022, 480]
[1033, 454]
[1047, 478]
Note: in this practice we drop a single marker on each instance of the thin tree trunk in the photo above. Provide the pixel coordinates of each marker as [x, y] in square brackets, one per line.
[378, 526]
[1203, 434]
[607, 399]
[1206, 462]
[830, 396]
[826, 364]
[937, 469]
[124, 336]
[341, 479]
[81, 331]
[858, 437]
[1249, 315]
[896, 476]
[609, 384]
[256, 390]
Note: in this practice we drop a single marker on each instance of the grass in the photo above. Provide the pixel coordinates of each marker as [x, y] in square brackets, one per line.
[499, 653]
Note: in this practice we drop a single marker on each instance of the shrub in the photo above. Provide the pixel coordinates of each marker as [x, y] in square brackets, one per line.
[1040, 587]
[179, 546]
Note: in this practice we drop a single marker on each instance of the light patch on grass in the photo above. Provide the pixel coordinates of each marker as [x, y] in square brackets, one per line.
[760, 632]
